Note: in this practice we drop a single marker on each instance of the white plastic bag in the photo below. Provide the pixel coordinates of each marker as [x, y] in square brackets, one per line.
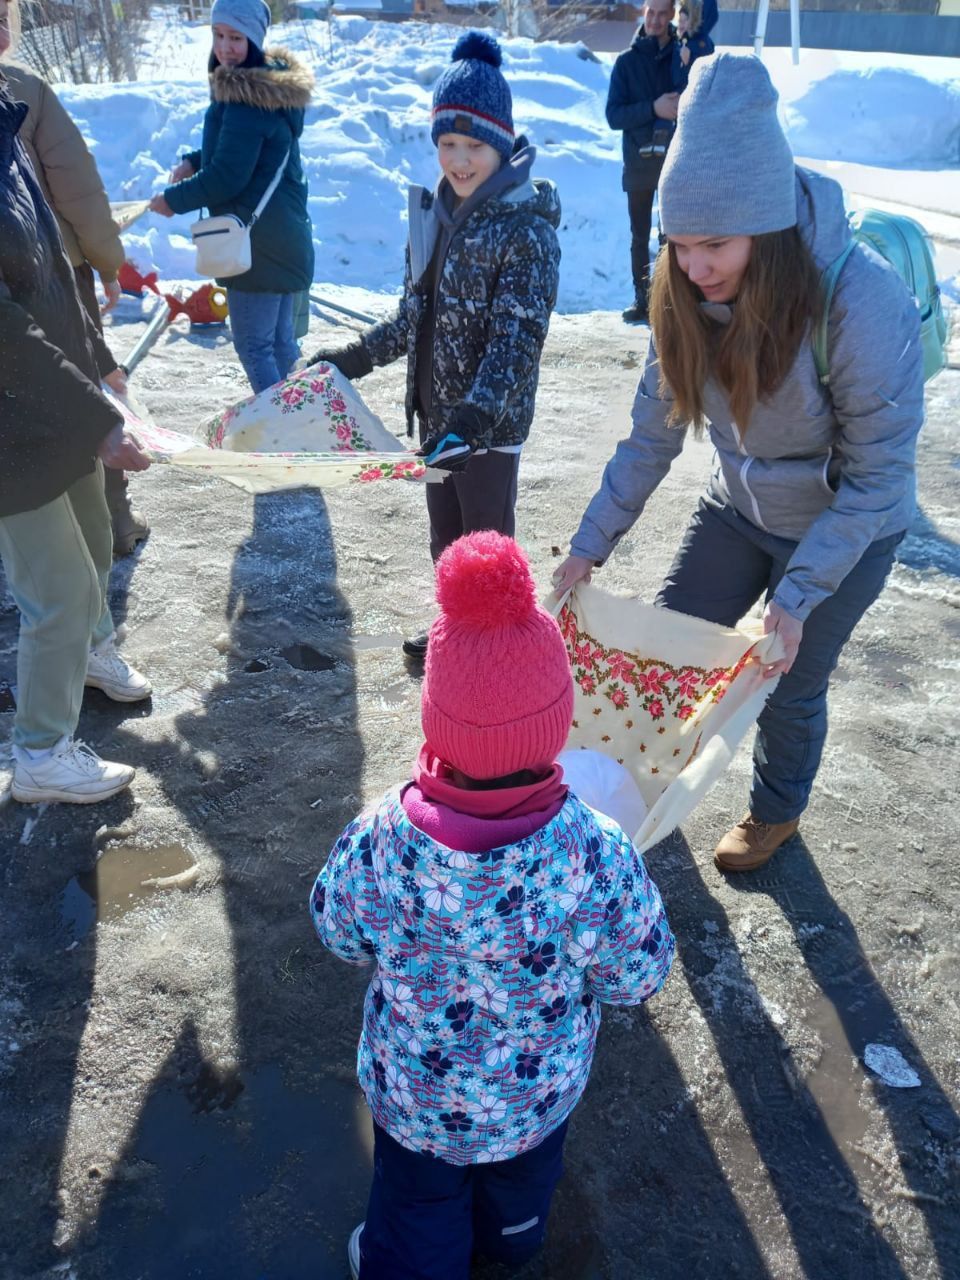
[605, 786]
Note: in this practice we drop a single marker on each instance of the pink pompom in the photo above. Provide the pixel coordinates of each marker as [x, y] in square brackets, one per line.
[484, 580]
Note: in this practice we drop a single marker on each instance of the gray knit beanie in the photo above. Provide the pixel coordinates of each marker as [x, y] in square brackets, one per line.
[729, 170]
[250, 17]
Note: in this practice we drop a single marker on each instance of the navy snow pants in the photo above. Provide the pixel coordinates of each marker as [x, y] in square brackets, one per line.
[426, 1218]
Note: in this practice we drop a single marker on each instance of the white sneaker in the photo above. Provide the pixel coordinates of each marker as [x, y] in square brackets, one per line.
[109, 671]
[353, 1251]
[71, 772]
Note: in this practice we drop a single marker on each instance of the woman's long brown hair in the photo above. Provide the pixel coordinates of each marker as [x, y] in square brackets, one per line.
[779, 300]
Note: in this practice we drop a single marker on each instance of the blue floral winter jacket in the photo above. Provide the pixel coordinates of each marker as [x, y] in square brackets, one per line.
[480, 1024]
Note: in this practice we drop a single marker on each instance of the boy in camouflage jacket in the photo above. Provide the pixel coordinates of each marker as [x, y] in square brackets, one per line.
[481, 279]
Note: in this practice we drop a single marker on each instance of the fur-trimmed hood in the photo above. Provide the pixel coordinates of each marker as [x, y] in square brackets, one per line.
[283, 84]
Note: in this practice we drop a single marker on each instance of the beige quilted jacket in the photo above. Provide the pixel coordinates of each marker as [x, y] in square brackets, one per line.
[68, 175]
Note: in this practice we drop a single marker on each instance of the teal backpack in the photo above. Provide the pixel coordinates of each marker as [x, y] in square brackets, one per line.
[904, 244]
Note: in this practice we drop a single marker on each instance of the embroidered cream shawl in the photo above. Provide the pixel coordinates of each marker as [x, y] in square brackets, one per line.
[668, 696]
[312, 428]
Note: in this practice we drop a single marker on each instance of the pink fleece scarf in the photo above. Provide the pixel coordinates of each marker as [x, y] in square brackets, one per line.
[476, 821]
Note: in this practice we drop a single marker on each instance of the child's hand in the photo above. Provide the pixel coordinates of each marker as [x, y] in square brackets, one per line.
[352, 361]
[447, 452]
[469, 433]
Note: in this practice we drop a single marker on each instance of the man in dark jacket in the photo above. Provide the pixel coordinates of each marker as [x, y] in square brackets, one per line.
[642, 103]
[56, 429]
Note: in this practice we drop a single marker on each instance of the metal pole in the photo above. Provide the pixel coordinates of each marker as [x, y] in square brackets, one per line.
[333, 306]
[795, 30]
[763, 9]
[158, 322]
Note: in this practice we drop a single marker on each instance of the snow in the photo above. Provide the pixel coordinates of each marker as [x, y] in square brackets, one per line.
[367, 137]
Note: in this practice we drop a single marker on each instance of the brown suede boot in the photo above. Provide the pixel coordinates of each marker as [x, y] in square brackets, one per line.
[752, 843]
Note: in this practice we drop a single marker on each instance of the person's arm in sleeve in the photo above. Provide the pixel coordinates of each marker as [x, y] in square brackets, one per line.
[43, 384]
[624, 110]
[629, 957]
[876, 384]
[345, 899]
[229, 170]
[636, 468]
[75, 185]
[387, 341]
[106, 361]
[520, 308]
[708, 18]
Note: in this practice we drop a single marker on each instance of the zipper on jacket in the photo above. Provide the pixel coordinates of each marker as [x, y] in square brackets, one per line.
[749, 492]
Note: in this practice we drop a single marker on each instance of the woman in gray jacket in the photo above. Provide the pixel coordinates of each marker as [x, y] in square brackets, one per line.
[814, 484]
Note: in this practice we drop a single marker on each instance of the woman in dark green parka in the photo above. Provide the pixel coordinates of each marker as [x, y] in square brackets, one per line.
[254, 120]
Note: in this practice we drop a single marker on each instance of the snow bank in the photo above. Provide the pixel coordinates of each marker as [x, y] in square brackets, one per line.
[367, 137]
[886, 115]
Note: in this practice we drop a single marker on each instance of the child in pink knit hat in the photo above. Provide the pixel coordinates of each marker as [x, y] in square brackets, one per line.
[499, 912]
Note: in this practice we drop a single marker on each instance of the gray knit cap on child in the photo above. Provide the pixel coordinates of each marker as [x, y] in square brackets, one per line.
[250, 17]
[472, 97]
[729, 170]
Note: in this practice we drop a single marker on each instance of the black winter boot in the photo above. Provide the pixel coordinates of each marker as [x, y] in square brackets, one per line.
[416, 647]
[637, 314]
[129, 526]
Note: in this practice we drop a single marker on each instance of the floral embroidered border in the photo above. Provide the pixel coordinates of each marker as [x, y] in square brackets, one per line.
[650, 685]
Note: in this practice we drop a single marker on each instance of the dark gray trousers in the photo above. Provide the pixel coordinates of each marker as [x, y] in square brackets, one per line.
[482, 496]
[725, 563]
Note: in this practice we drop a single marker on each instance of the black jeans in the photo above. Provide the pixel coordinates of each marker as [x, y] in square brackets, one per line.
[482, 496]
[640, 208]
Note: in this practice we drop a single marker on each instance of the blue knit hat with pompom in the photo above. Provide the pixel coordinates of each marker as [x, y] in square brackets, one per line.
[472, 97]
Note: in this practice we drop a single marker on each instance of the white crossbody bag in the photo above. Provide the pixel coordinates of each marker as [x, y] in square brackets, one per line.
[223, 243]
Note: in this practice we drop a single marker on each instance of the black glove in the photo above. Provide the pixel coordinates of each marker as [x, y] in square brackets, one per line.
[451, 450]
[353, 361]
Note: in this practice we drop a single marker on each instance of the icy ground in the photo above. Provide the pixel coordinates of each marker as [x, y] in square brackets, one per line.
[177, 1095]
[367, 137]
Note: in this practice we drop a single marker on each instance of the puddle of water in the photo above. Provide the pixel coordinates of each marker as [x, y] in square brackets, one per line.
[264, 1187]
[256, 664]
[78, 911]
[116, 884]
[836, 1082]
[306, 658]
[214, 1090]
[389, 640]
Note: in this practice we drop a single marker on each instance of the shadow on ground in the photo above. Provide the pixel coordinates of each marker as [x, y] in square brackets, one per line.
[259, 1169]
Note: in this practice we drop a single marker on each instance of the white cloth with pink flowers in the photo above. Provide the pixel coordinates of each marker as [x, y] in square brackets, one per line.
[315, 410]
[668, 696]
[311, 429]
